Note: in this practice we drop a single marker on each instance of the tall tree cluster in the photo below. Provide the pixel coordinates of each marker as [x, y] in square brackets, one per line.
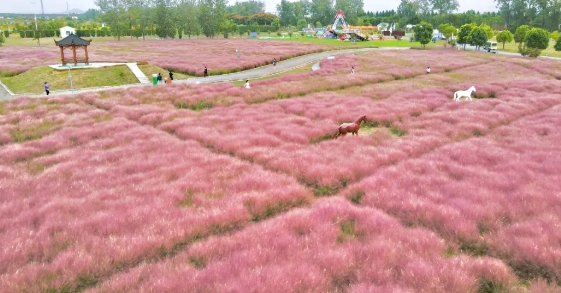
[171, 18]
[544, 14]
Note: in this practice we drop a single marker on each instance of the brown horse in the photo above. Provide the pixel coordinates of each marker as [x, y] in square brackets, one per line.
[349, 127]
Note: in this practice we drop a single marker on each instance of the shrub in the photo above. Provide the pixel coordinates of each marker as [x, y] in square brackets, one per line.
[397, 131]
[505, 36]
[557, 46]
[520, 33]
[357, 196]
[554, 35]
[530, 52]
[537, 38]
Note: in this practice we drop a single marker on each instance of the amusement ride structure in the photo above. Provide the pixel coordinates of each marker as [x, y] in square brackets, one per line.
[345, 31]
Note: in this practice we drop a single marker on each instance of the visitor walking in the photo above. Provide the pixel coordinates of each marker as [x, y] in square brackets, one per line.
[170, 75]
[159, 78]
[274, 62]
[428, 70]
[46, 86]
[246, 85]
[205, 72]
[352, 69]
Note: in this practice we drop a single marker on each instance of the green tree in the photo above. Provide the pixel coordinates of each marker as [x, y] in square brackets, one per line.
[424, 7]
[2, 39]
[520, 33]
[302, 23]
[227, 27]
[164, 19]
[557, 46]
[487, 30]
[352, 9]
[212, 14]
[189, 18]
[537, 38]
[114, 14]
[322, 11]
[464, 33]
[442, 26]
[449, 30]
[444, 6]
[505, 36]
[263, 18]
[423, 33]
[285, 11]
[477, 37]
[246, 8]
[301, 9]
[276, 24]
[554, 35]
[407, 12]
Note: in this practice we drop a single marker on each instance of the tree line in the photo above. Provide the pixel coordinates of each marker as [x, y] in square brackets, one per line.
[172, 18]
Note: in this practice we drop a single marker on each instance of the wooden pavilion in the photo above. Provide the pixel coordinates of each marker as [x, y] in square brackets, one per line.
[73, 42]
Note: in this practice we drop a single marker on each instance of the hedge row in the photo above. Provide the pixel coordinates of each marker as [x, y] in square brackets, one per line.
[81, 33]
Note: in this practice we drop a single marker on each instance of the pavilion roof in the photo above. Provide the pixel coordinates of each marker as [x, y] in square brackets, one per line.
[72, 39]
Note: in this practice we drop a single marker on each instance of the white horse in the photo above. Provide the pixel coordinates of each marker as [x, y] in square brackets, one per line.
[467, 94]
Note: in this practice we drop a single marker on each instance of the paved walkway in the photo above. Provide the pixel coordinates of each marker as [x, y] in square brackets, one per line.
[138, 73]
[264, 71]
[5, 94]
[282, 66]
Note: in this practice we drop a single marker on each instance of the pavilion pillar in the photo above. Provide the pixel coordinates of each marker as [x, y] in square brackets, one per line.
[74, 54]
[87, 59]
[62, 55]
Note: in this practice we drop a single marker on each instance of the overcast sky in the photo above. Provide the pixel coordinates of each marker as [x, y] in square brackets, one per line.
[58, 6]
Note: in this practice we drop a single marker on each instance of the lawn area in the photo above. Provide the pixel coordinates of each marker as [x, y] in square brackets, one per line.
[513, 47]
[32, 80]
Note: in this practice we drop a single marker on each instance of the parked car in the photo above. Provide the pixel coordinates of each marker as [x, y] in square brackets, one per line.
[490, 47]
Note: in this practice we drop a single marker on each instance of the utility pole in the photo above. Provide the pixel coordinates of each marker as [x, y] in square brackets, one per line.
[36, 32]
[238, 56]
[70, 79]
[42, 10]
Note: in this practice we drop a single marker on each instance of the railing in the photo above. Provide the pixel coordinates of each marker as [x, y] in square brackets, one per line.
[71, 60]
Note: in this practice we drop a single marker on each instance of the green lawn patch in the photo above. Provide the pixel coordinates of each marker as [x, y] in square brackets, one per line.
[31, 81]
[150, 69]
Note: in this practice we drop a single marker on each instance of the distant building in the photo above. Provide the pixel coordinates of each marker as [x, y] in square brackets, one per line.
[66, 30]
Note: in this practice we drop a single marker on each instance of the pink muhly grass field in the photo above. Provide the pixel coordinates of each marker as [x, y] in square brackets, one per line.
[331, 246]
[18, 59]
[123, 196]
[187, 55]
[499, 193]
[166, 189]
